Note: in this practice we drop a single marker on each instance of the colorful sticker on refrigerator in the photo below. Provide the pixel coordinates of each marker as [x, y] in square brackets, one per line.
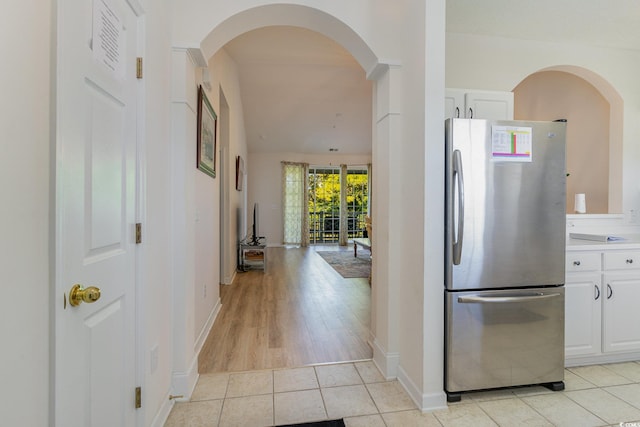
[511, 143]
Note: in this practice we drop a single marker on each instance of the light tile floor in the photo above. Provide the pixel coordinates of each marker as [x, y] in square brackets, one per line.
[601, 395]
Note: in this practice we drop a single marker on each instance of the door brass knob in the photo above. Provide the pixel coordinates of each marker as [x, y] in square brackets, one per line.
[78, 294]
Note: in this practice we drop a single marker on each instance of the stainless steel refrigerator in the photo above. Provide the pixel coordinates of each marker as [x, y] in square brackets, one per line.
[504, 258]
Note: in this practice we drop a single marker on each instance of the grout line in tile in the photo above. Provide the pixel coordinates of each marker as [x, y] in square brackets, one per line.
[380, 414]
[536, 411]
[324, 404]
[488, 414]
[588, 410]
[371, 397]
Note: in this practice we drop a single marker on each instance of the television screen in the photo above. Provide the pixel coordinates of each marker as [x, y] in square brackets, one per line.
[255, 229]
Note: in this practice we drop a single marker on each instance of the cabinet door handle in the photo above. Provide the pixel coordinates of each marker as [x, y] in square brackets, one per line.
[597, 292]
[457, 112]
[630, 261]
[576, 263]
[471, 113]
[609, 291]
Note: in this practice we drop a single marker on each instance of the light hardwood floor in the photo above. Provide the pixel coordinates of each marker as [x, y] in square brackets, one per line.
[299, 312]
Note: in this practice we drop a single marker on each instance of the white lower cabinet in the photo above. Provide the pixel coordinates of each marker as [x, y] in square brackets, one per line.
[621, 321]
[583, 314]
[602, 297]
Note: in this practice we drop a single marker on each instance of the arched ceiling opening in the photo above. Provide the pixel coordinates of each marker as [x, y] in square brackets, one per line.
[301, 92]
[290, 15]
[304, 82]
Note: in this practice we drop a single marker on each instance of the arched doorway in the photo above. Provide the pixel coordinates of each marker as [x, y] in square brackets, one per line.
[387, 77]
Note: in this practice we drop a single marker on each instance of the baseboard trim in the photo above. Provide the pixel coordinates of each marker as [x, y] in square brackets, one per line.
[163, 412]
[386, 362]
[426, 402]
[204, 333]
[434, 401]
[573, 361]
[229, 280]
[183, 383]
[410, 387]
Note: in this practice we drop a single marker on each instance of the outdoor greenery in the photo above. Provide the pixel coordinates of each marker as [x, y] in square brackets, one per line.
[324, 203]
[324, 191]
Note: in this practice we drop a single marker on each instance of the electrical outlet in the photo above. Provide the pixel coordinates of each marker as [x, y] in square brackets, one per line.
[204, 291]
[633, 216]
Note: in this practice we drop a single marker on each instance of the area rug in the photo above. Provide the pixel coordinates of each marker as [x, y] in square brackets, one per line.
[346, 264]
[331, 423]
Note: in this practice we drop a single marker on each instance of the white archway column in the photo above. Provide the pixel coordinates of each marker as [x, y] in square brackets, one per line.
[386, 210]
[433, 396]
[183, 155]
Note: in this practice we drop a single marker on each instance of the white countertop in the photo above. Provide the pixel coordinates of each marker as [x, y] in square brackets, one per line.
[630, 241]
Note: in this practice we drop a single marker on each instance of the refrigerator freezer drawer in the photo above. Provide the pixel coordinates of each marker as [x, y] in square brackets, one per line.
[504, 338]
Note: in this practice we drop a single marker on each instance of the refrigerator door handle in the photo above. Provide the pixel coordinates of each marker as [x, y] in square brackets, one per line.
[476, 299]
[457, 238]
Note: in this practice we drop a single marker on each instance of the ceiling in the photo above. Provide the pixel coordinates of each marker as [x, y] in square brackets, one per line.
[301, 92]
[304, 93]
[605, 23]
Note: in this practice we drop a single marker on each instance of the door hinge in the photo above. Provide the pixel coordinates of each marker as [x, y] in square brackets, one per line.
[138, 397]
[139, 67]
[138, 233]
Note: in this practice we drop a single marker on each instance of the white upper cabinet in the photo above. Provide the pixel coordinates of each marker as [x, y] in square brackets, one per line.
[454, 103]
[474, 104]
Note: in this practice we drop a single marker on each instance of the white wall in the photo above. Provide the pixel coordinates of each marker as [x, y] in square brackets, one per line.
[551, 95]
[433, 273]
[195, 201]
[25, 250]
[264, 183]
[484, 62]
[206, 241]
[156, 249]
[207, 232]
[225, 75]
[183, 196]
[393, 33]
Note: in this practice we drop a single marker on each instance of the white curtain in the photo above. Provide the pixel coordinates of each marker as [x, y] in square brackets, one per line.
[295, 205]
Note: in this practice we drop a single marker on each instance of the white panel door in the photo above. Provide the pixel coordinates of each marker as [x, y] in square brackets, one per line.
[95, 212]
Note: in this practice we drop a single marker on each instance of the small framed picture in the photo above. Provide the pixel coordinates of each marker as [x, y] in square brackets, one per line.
[207, 123]
[239, 173]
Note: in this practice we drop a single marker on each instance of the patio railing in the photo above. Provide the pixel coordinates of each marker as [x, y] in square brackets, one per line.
[324, 227]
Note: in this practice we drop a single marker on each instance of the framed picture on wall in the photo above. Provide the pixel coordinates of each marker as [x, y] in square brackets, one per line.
[207, 123]
[239, 173]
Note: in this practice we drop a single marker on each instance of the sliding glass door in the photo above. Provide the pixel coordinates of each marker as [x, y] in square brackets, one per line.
[324, 203]
[357, 201]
